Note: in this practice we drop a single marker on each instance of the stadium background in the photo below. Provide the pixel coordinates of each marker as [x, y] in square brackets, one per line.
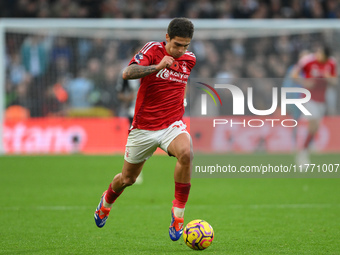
[47, 201]
[77, 73]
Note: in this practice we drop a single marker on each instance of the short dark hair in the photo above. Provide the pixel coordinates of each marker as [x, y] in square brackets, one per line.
[181, 27]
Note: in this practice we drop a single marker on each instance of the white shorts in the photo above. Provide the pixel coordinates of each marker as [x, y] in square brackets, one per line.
[141, 144]
[317, 109]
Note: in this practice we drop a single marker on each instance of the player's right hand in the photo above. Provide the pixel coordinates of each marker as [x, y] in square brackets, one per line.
[165, 62]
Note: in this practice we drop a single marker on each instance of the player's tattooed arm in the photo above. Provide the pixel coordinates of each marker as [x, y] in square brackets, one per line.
[136, 71]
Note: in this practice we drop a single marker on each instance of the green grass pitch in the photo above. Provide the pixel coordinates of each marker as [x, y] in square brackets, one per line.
[47, 206]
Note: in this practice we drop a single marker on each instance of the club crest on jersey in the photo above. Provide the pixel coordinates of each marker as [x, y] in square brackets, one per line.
[127, 152]
[184, 67]
[138, 57]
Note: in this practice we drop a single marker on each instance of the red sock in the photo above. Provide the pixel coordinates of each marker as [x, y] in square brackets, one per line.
[111, 195]
[308, 140]
[181, 194]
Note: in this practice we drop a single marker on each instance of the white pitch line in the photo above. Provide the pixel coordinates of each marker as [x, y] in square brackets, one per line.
[250, 206]
[61, 208]
[46, 208]
[291, 206]
[276, 206]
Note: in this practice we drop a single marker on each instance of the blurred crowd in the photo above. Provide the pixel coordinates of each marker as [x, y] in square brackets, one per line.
[62, 76]
[55, 75]
[70, 76]
[211, 9]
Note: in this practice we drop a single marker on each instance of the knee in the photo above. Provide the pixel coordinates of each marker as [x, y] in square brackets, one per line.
[185, 157]
[128, 180]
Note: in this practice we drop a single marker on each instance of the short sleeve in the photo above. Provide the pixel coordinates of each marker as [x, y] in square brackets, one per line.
[144, 56]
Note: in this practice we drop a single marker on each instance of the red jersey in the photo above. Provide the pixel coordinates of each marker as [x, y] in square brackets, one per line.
[160, 96]
[312, 68]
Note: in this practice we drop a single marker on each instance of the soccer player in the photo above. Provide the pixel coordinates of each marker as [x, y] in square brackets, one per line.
[164, 69]
[289, 82]
[319, 70]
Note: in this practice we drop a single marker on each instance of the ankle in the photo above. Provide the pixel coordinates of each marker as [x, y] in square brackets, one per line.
[179, 212]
